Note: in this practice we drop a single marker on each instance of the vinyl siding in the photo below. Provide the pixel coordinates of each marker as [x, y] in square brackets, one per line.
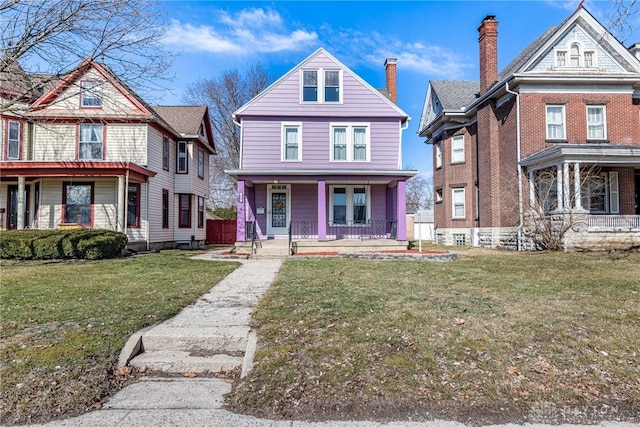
[126, 143]
[54, 142]
[162, 181]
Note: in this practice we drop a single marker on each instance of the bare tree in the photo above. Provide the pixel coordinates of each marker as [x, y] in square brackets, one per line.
[224, 95]
[49, 38]
[419, 193]
[624, 18]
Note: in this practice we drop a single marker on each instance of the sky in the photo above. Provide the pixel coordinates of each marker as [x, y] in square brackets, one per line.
[433, 40]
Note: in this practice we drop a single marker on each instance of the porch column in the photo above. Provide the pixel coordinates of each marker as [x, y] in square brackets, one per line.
[566, 187]
[322, 211]
[120, 221]
[401, 209]
[559, 187]
[21, 203]
[576, 185]
[240, 215]
[532, 190]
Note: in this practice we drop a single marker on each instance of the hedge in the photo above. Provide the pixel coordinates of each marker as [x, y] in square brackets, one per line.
[61, 244]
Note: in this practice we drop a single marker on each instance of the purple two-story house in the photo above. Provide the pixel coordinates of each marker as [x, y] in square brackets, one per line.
[321, 159]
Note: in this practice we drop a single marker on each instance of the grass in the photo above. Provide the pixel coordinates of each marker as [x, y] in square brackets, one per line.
[550, 337]
[64, 324]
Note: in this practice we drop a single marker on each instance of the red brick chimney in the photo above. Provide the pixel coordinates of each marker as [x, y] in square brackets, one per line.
[390, 68]
[488, 41]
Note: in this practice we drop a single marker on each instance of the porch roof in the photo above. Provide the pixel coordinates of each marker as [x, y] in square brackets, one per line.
[327, 174]
[600, 154]
[34, 169]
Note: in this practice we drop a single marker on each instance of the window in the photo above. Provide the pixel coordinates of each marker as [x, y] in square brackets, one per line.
[292, 142]
[133, 206]
[90, 142]
[320, 85]
[349, 205]
[165, 208]
[350, 143]
[13, 141]
[78, 203]
[575, 55]
[547, 185]
[200, 212]
[458, 210]
[165, 153]
[309, 85]
[331, 86]
[182, 166]
[91, 94]
[561, 58]
[200, 162]
[596, 122]
[438, 195]
[459, 239]
[589, 59]
[185, 211]
[457, 149]
[555, 122]
[438, 148]
[600, 194]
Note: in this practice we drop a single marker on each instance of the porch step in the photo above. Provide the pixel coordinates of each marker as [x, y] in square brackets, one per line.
[178, 362]
[197, 339]
[349, 245]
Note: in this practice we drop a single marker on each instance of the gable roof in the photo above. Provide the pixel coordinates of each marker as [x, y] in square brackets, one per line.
[455, 94]
[186, 120]
[321, 50]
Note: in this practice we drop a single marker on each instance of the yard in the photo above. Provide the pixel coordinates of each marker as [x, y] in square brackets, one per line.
[499, 337]
[64, 324]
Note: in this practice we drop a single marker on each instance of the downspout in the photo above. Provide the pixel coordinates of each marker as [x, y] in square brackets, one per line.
[518, 155]
[147, 231]
[126, 202]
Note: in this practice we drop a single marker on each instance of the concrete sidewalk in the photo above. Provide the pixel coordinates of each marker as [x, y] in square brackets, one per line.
[210, 336]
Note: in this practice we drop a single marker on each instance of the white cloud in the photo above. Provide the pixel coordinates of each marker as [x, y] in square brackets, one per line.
[246, 32]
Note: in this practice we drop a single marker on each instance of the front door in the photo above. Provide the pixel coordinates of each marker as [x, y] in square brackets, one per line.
[12, 208]
[278, 210]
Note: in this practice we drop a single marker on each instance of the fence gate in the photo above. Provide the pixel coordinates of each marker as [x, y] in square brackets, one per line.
[221, 231]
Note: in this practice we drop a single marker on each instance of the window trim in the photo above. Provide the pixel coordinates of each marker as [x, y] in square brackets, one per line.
[439, 197]
[186, 157]
[453, 203]
[438, 154]
[321, 87]
[604, 121]
[166, 211]
[283, 146]
[200, 163]
[103, 136]
[138, 203]
[8, 141]
[350, 127]
[64, 201]
[180, 210]
[201, 210]
[166, 152]
[456, 139]
[349, 207]
[99, 96]
[564, 122]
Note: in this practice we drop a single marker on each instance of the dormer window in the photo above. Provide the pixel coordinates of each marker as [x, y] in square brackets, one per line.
[321, 86]
[91, 94]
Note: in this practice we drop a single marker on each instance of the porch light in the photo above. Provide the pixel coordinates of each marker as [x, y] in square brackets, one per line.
[275, 181]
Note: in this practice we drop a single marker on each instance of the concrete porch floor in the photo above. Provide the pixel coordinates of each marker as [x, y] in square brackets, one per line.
[280, 247]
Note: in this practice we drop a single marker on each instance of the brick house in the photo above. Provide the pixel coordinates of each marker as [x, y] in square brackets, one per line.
[554, 137]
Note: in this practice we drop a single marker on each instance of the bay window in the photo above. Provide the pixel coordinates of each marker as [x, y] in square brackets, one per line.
[184, 207]
[182, 166]
[200, 212]
[133, 206]
[200, 162]
[457, 149]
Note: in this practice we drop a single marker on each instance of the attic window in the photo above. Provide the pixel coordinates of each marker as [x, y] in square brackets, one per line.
[575, 57]
[321, 86]
[91, 94]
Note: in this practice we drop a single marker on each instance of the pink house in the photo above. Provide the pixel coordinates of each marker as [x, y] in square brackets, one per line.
[320, 160]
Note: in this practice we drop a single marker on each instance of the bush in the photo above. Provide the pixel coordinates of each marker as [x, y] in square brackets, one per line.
[59, 244]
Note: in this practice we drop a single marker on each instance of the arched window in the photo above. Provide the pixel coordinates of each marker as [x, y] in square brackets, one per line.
[575, 55]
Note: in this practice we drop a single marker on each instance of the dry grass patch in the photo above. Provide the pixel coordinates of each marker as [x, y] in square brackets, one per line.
[63, 325]
[489, 338]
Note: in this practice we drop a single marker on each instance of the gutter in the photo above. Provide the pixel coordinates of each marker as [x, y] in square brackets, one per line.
[518, 155]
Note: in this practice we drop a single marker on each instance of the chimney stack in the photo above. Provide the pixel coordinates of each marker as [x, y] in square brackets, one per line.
[390, 68]
[488, 41]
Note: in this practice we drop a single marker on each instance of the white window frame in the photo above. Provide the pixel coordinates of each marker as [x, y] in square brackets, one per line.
[321, 85]
[438, 154]
[184, 155]
[457, 149]
[454, 203]
[283, 139]
[563, 123]
[350, 130]
[100, 133]
[13, 141]
[91, 91]
[557, 58]
[603, 124]
[349, 191]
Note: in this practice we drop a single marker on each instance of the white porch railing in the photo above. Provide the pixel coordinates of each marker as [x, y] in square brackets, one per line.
[614, 222]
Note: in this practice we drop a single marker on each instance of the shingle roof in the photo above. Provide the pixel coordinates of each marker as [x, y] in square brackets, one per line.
[455, 94]
[184, 119]
[527, 53]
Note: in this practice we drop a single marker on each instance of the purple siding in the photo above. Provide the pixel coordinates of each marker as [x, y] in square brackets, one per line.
[304, 202]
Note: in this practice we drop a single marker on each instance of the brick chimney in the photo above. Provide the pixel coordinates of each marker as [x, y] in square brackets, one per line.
[488, 41]
[390, 68]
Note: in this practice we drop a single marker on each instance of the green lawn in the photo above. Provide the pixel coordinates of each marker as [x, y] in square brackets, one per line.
[491, 338]
[63, 324]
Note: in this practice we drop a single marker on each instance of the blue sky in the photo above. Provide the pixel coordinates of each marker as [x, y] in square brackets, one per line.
[431, 39]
